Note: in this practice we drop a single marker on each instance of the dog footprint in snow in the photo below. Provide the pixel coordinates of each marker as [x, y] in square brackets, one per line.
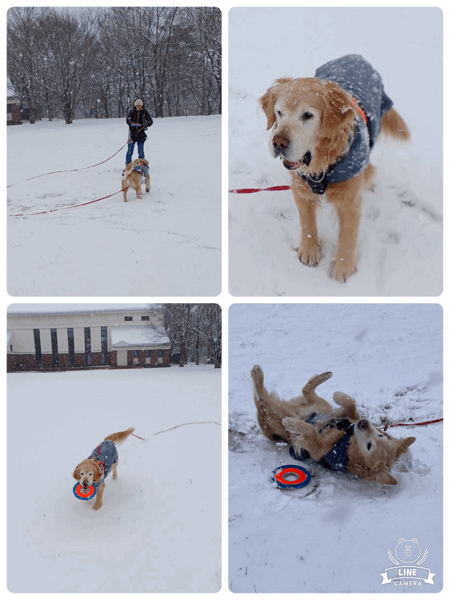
[389, 237]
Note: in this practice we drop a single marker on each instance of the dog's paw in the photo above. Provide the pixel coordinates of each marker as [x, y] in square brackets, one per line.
[257, 375]
[343, 270]
[293, 425]
[96, 507]
[309, 253]
[316, 380]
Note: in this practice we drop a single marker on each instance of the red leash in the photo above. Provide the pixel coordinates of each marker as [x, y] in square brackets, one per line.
[411, 424]
[65, 207]
[275, 188]
[184, 424]
[70, 170]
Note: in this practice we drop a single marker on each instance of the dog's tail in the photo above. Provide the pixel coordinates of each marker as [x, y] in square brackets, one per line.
[392, 124]
[120, 436]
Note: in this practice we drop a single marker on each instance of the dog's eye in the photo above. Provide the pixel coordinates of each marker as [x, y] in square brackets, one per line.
[369, 445]
[306, 116]
[278, 113]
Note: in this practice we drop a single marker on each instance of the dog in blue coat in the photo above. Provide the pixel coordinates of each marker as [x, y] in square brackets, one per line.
[324, 128]
[99, 464]
[133, 175]
[338, 438]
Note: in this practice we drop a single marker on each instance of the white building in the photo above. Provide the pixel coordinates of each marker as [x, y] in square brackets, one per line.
[62, 337]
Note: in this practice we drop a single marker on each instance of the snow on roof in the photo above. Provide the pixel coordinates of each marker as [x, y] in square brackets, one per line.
[122, 337]
[51, 309]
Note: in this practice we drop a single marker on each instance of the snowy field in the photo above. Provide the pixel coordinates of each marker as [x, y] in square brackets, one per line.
[400, 243]
[167, 243]
[334, 534]
[159, 529]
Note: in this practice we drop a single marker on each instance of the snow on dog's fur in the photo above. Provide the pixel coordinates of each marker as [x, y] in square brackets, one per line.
[132, 178]
[92, 470]
[371, 452]
[313, 124]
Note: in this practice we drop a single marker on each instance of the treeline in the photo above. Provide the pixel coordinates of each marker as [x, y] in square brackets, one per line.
[71, 63]
[195, 331]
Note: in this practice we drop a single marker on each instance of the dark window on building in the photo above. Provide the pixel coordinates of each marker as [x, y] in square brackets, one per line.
[104, 335]
[135, 353]
[54, 337]
[160, 352]
[71, 342]
[148, 353]
[37, 347]
[128, 318]
[145, 318]
[87, 345]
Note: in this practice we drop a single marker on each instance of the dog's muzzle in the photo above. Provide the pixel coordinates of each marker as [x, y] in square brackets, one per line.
[305, 160]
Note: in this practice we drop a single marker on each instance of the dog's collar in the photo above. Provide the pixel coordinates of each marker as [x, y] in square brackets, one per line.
[348, 165]
[317, 183]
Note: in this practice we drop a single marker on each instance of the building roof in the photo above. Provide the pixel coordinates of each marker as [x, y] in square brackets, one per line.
[125, 337]
[67, 309]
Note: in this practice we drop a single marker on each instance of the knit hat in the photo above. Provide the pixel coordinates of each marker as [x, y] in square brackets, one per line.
[138, 102]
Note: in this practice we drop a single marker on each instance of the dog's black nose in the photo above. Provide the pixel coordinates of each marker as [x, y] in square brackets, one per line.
[280, 143]
[363, 424]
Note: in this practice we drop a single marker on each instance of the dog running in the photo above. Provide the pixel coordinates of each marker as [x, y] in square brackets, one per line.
[102, 460]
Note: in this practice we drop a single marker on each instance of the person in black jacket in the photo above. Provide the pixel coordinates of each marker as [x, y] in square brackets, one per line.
[138, 120]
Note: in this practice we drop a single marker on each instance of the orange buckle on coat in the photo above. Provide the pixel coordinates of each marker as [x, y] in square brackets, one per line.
[360, 110]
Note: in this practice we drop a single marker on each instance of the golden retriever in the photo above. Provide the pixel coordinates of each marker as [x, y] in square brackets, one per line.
[318, 128]
[310, 423]
[100, 463]
[132, 177]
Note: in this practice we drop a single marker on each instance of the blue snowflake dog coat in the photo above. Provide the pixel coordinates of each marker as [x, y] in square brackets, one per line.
[105, 455]
[141, 168]
[336, 459]
[359, 79]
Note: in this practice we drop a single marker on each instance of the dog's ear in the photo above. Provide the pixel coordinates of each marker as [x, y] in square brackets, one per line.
[385, 477]
[76, 473]
[267, 104]
[97, 473]
[402, 446]
[267, 101]
[338, 112]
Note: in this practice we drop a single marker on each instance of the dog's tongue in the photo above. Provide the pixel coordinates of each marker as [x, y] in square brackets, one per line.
[295, 165]
[291, 165]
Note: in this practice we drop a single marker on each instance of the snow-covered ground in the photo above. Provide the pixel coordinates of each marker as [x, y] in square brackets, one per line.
[400, 244]
[334, 534]
[159, 529]
[167, 243]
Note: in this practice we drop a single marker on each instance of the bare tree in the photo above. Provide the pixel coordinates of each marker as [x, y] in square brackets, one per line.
[194, 330]
[25, 46]
[96, 62]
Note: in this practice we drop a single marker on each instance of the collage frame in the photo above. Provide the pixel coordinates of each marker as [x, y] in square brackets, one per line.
[288, 297]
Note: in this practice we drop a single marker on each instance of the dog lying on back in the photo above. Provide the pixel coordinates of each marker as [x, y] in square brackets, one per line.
[132, 177]
[338, 438]
[102, 460]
